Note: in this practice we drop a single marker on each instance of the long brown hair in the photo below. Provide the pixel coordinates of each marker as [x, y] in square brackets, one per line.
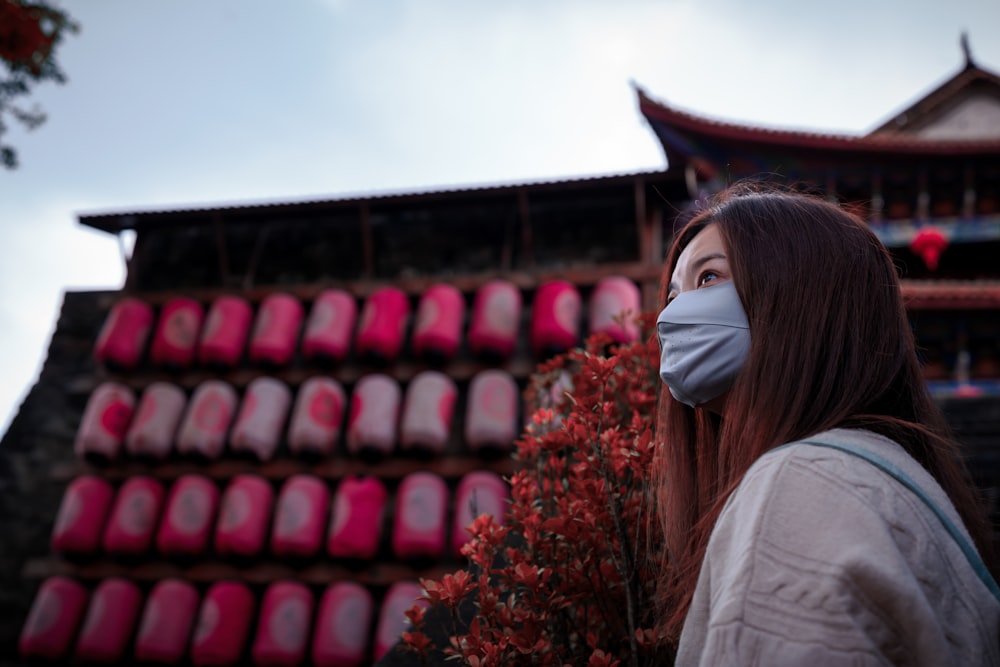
[830, 347]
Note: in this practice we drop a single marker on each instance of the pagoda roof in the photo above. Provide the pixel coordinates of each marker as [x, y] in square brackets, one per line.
[706, 143]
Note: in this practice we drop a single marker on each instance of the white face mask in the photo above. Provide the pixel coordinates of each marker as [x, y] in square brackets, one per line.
[704, 342]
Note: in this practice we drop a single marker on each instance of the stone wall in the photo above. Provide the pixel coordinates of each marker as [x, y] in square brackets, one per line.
[39, 437]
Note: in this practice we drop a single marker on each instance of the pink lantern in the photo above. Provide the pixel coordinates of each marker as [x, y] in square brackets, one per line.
[53, 619]
[177, 330]
[356, 524]
[491, 412]
[131, 526]
[206, 422]
[371, 428]
[928, 244]
[261, 420]
[151, 433]
[283, 628]
[300, 517]
[109, 622]
[382, 325]
[187, 521]
[427, 412]
[555, 318]
[317, 417]
[276, 330]
[223, 624]
[614, 305]
[225, 332]
[123, 337]
[437, 331]
[419, 528]
[244, 515]
[392, 619]
[340, 638]
[496, 318]
[166, 622]
[105, 422]
[82, 514]
[327, 337]
[480, 492]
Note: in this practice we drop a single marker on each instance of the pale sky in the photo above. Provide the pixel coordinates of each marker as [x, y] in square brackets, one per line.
[186, 102]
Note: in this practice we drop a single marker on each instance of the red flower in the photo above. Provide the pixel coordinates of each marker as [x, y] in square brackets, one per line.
[601, 659]
[417, 641]
[415, 615]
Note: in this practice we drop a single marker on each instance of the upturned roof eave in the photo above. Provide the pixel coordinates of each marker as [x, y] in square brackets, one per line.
[750, 138]
[940, 97]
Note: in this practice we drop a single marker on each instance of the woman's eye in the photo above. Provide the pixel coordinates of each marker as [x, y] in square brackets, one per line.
[707, 277]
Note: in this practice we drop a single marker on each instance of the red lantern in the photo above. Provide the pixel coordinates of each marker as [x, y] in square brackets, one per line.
[929, 243]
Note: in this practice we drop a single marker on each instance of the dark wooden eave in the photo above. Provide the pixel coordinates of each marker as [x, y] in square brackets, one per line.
[117, 221]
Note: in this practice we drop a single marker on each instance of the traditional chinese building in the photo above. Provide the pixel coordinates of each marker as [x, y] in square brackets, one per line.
[928, 181]
[163, 438]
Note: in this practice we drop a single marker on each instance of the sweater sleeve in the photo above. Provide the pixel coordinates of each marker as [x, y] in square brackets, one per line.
[810, 564]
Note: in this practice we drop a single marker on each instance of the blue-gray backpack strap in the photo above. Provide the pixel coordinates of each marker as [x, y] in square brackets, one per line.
[893, 471]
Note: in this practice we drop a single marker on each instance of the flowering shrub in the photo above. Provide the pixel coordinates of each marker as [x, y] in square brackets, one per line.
[569, 577]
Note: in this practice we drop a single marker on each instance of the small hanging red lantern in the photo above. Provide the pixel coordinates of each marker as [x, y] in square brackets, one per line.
[929, 243]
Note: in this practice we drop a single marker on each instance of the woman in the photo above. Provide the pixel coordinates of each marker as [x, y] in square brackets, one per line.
[784, 322]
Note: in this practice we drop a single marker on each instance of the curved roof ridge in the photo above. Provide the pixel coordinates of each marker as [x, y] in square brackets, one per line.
[688, 128]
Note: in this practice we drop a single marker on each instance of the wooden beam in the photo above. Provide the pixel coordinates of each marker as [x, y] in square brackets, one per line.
[923, 196]
[877, 206]
[969, 191]
[320, 573]
[452, 467]
[643, 228]
[258, 249]
[584, 275]
[220, 246]
[367, 240]
[347, 374]
[509, 240]
[133, 264]
[524, 215]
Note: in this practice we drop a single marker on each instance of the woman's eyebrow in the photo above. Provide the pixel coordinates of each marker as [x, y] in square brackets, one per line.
[706, 258]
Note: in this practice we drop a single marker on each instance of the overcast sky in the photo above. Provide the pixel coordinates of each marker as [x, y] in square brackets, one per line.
[179, 102]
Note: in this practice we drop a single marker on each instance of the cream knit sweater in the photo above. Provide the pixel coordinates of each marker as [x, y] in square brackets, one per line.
[820, 558]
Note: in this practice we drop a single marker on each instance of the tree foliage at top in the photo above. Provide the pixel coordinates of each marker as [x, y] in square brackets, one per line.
[29, 34]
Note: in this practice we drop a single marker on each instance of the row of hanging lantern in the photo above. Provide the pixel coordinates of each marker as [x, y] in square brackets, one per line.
[175, 623]
[166, 420]
[303, 521]
[299, 519]
[183, 334]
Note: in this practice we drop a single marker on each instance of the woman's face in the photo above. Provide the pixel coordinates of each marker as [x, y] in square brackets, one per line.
[702, 263]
